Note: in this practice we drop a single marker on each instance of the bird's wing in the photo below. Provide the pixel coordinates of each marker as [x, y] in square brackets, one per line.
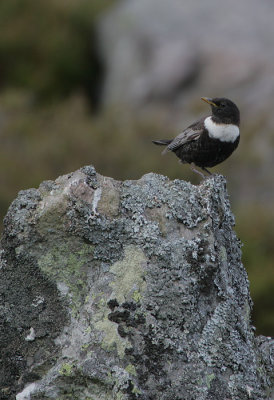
[193, 132]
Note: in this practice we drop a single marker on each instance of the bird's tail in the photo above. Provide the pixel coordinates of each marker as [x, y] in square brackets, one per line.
[164, 142]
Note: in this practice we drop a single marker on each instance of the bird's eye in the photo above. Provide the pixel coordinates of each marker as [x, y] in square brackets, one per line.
[222, 105]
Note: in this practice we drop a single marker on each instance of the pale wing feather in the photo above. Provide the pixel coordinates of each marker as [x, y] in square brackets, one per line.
[193, 132]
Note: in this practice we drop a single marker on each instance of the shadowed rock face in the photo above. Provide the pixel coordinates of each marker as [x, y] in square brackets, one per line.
[127, 290]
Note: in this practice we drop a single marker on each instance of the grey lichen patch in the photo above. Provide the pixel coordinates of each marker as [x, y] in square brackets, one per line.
[129, 282]
[180, 199]
[223, 254]
[67, 264]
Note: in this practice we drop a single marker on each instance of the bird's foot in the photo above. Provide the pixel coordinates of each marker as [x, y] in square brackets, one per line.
[192, 166]
[207, 171]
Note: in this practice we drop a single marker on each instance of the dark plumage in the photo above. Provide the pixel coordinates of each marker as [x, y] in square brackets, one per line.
[209, 141]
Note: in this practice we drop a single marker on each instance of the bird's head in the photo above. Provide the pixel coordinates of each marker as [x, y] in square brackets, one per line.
[223, 110]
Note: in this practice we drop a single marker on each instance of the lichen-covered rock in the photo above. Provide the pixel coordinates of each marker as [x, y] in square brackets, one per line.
[127, 290]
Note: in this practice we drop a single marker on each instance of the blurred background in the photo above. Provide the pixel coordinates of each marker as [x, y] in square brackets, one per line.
[94, 81]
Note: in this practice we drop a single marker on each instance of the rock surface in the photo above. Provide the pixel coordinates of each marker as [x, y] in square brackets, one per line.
[127, 290]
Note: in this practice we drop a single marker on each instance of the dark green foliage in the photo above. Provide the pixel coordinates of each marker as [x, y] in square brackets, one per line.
[255, 227]
[50, 47]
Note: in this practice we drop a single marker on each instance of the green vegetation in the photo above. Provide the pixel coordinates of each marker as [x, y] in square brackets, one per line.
[50, 80]
[50, 47]
[255, 228]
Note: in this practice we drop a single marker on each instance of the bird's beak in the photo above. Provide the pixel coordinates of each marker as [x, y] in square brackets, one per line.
[209, 101]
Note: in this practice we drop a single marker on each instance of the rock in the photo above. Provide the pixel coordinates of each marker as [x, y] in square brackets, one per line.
[127, 290]
[153, 49]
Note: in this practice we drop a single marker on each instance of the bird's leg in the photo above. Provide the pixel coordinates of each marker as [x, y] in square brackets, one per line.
[192, 166]
[206, 170]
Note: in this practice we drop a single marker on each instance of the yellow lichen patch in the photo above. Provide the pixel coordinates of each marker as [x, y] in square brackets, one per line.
[128, 285]
[209, 379]
[66, 369]
[111, 340]
[129, 282]
[131, 369]
[67, 265]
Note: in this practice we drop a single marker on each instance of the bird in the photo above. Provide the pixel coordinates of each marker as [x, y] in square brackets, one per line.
[210, 140]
